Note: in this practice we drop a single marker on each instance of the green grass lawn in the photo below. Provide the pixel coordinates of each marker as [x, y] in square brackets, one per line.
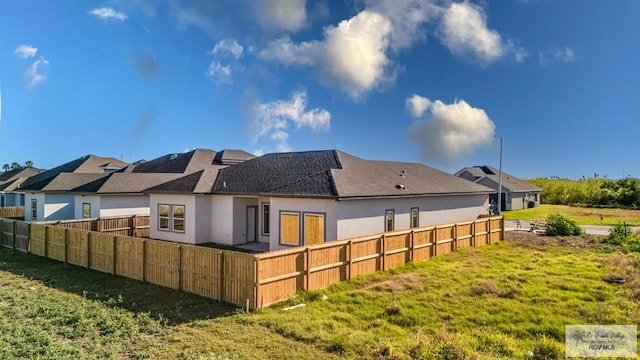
[582, 216]
[497, 301]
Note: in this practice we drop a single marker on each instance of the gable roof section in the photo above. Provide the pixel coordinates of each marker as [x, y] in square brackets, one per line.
[335, 174]
[87, 165]
[19, 173]
[199, 182]
[193, 160]
[509, 181]
[124, 183]
[295, 174]
[62, 182]
[371, 178]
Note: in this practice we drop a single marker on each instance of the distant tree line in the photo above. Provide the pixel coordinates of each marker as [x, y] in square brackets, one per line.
[593, 192]
[17, 166]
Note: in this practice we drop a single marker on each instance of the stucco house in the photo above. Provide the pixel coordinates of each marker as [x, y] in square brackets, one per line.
[47, 194]
[122, 193]
[305, 198]
[9, 183]
[516, 194]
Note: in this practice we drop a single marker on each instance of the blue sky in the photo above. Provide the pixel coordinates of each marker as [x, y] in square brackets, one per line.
[428, 81]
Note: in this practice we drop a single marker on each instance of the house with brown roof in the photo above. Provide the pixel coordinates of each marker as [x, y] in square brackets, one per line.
[306, 198]
[47, 194]
[516, 194]
[122, 193]
[9, 183]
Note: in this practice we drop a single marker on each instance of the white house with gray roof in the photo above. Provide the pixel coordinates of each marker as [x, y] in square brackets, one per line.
[122, 193]
[516, 194]
[47, 194]
[306, 198]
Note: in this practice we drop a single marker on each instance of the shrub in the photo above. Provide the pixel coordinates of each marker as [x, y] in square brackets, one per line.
[546, 349]
[560, 225]
[618, 234]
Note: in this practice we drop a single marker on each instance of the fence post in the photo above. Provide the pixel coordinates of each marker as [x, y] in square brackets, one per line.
[411, 246]
[473, 234]
[179, 267]
[222, 275]
[455, 237]
[66, 242]
[89, 240]
[502, 227]
[144, 260]
[115, 251]
[257, 283]
[384, 253]
[134, 226]
[99, 224]
[13, 241]
[350, 259]
[435, 241]
[307, 260]
[488, 230]
[46, 241]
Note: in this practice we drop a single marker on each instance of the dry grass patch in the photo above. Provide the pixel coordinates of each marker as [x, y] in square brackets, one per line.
[399, 283]
[627, 268]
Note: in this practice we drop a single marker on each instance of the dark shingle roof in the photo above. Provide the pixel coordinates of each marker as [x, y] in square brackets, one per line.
[19, 173]
[89, 164]
[509, 181]
[296, 173]
[335, 174]
[125, 183]
[370, 178]
[62, 182]
[178, 163]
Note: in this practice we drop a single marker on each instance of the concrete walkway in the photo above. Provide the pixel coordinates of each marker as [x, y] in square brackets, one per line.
[511, 225]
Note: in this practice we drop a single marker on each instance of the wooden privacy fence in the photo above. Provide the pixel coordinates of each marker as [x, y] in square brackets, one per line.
[283, 273]
[243, 279]
[135, 225]
[218, 274]
[12, 212]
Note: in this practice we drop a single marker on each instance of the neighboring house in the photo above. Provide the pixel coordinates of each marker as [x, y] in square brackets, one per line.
[122, 193]
[305, 198]
[47, 194]
[516, 194]
[9, 182]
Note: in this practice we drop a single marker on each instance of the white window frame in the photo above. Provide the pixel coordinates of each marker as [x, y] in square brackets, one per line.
[171, 218]
[386, 218]
[417, 223]
[34, 209]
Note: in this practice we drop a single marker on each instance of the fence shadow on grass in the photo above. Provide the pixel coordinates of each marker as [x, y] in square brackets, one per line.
[174, 307]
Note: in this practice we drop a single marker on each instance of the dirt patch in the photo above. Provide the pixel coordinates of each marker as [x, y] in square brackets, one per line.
[399, 282]
[531, 239]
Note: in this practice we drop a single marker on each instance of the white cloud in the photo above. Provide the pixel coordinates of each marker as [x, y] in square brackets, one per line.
[219, 73]
[417, 105]
[408, 19]
[352, 56]
[451, 131]
[287, 15]
[289, 53]
[106, 13]
[564, 54]
[464, 31]
[228, 46]
[33, 75]
[273, 119]
[25, 51]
